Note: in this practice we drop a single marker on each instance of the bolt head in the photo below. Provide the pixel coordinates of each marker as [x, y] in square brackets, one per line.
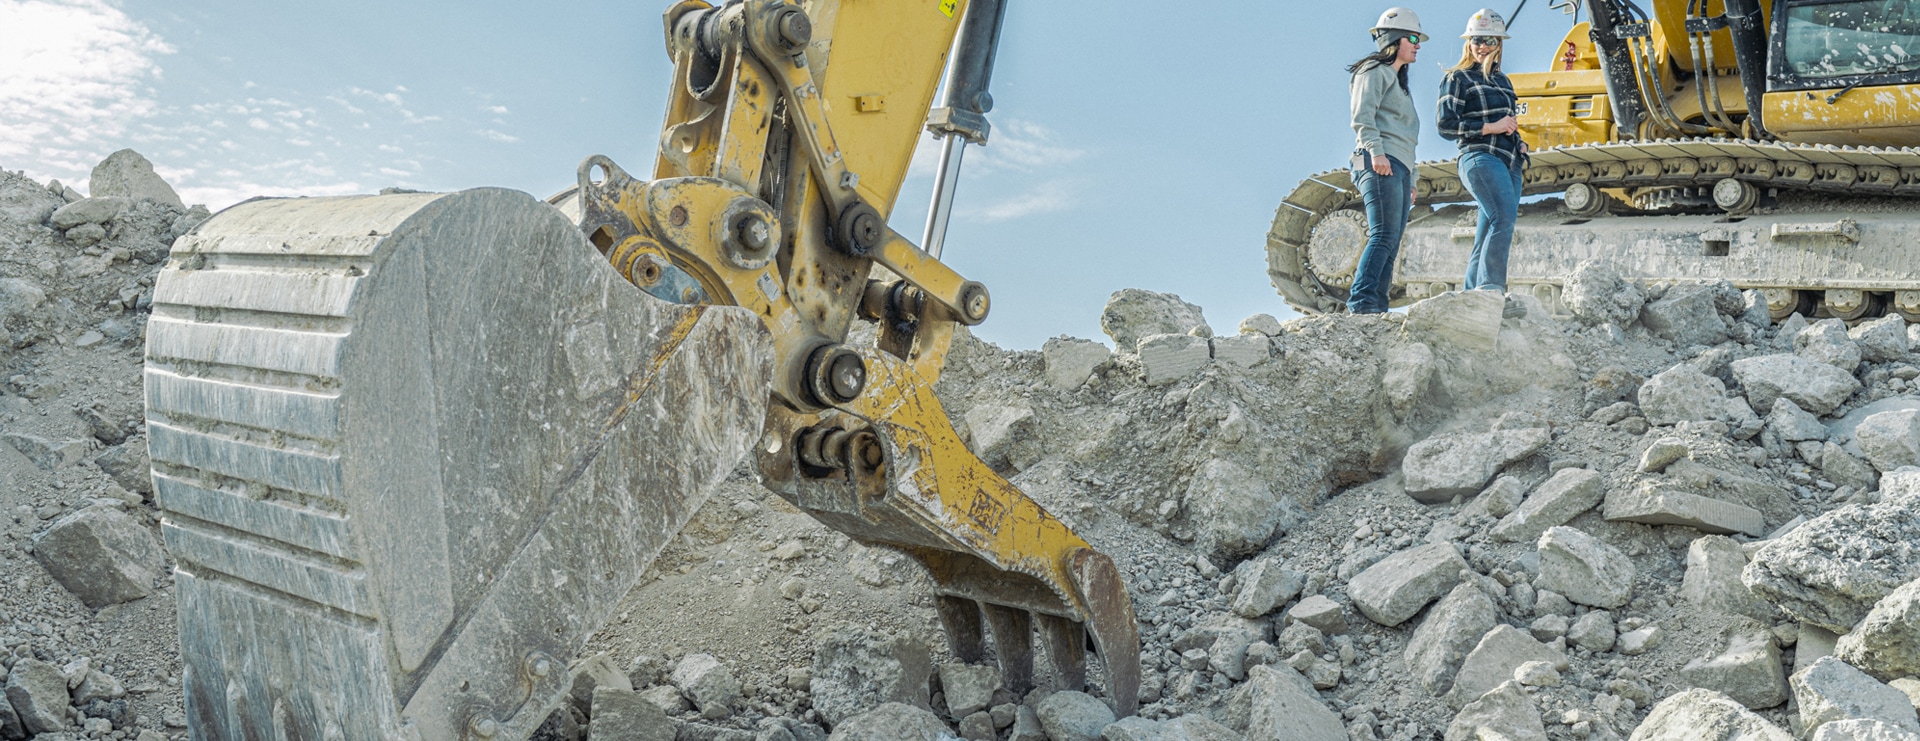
[755, 234]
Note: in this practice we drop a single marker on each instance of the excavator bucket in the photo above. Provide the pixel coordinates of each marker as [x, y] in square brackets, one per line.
[411, 450]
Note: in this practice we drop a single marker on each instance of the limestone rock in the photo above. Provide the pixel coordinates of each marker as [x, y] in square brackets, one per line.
[1863, 730]
[1813, 386]
[1073, 716]
[968, 688]
[1593, 631]
[1826, 341]
[1261, 324]
[1881, 340]
[593, 673]
[38, 692]
[1070, 361]
[1445, 466]
[1712, 581]
[1408, 378]
[1682, 394]
[1183, 728]
[1686, 315]
[1265, 585]
[708, 683]
[1323, 614]
[97, 210]
[1596, 294]
[1398, 586]
[102, 555]
[1132, 315]
[1277, 704]
[1563, 497]
[1663, 503]
[1234, 513]
[1505, 713]
[1787, 423]
[126, 174]
[892, 721]
[1663, 453]
[1890, 439]
[1242, 350]
[1584, 569]
[1166, 358]
[1705, 715]
[1003, 434]
[1831, 690]
[1450, 630]
[1468, 320]
[1500, 498]
[666, 697]
[1832, 570]
[1748, 671]
[1640, 640]
[857, 669]
[624, 714]
[1845, 470]
[1887, 643]
[1493, 661]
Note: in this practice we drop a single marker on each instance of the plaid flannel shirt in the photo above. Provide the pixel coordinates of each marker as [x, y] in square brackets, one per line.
[1471, 99]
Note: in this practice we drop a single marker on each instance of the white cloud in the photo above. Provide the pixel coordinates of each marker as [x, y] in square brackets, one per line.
[498, 109]
[1051, 196]
[497, 136]
[73, 77]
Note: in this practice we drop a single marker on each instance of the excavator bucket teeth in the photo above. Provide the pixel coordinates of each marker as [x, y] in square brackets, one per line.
[411, 451]
[1013, 646]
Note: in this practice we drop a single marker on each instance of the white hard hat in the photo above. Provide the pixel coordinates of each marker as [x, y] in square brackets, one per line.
[1401, 19]
[1486, 22]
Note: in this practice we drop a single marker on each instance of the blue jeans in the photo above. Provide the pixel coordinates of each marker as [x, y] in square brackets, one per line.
[1495, 185]
[1388, 199]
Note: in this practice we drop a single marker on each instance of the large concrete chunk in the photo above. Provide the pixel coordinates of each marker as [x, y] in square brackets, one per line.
[1505, 713]
[1832, 570]
[1826, 341]
[1863, 730]
[1445, 466]
[1242, 350]
[1234, 513]
[1492, 661]
[1467, 320]
[1265, 585]
[1682, 394]
[1073, 716]
[1814, 386]
[1071, 361]
[1662, 503]
[623, 715]
[1400, 585]
[1705, 715]
[1556, 502]
[1596, 294]
[968, 688]
[1132, 315]
[1890, 440]
[1584, 569]
[38, 692]
[1451, 630]
[1166, 358]
[1831, 690]
[1887, 643]
[126, 174]
[1686, 315]
[1278, 704]
[857, 669]
[708, 683]
[97, 210]
[102, 555]
[1712, 581]
[893, 721]
[1788, 423]
[1748, 671]
[1881, 340]
[1183, 728]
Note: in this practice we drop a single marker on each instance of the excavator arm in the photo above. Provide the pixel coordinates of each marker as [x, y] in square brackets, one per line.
[411, 450]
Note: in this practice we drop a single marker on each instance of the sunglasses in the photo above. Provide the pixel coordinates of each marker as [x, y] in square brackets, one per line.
[1485, 41]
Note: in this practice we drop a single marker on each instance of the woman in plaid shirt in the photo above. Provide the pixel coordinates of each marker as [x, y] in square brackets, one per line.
[1477, 109]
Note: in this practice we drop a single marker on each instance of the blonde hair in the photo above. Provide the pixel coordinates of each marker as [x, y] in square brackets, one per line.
[1467, 61]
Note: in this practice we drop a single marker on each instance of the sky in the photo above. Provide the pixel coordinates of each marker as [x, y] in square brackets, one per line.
[1135, 144]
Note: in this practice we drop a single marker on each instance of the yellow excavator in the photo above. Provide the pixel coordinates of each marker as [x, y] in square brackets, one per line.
[412, 449]
[1771, 143]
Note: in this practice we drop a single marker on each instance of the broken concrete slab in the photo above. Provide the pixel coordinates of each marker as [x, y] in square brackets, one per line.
[1832, 690]
[1408, 380]
[102, 555]
[1265, 585]
[1814, 386]
[1886, 644]
[1166, 358]
[1447, 634]
[1183, 728]
[1132, 314]
[38, 692]
[1469, 320]
[1712, 580]
[1832, 570]
[624, 714]
[1073, 716]
[99, 210]
[1788, 423]
[1748, 671]
[1584, 569]
[1882, 340]
[1235, 513]
[1261, 324]
[1242, 350]
[1826, 341]
[1505, 713]
[1570, 492]
[857, 669]
[1323, 614]
[1594, 631]
[1863, 730]
[1442, 467]
[1493, 661]
[1682, 394]
[1705, 715]
[1278, 704]
[1399, 586]
[708, 683]
[127, 174]
[1890, 440]
[1071, 361]
[1662, 503]
[1686, 315]
[968, 688]
[892, 721]
[1596, 294]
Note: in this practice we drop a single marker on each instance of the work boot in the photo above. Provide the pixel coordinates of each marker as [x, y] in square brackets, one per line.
[1513, 309]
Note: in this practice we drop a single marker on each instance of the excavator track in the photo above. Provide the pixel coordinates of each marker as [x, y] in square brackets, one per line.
[1318, 233]
[411, 451]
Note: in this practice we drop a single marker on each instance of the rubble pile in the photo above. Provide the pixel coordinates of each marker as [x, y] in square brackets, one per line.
[1645, 512]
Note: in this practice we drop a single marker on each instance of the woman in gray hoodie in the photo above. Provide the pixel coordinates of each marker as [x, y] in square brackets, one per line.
[1386, 128]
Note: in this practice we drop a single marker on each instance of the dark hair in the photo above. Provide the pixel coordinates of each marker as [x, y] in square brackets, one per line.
[1382, 58]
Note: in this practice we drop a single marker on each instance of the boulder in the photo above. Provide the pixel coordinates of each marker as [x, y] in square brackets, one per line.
[708, 683]
[1863, 730]
[1261, 324]
[1506, 713]
[1813, 386]
[1843, 469]
[1657, 502]
[1073, 716]
[1003, 434]
[892, 721]
[38, 692]
[99, 210]
[1887, 643]
[1686, 315]
[1787, 423]
[126, 174]
[1234, 513]
[1705, 715]
[1132, 315]
[1890, 440]
[1832, 570]
[102, 555]
[857, 669]
[1323, 614]
[1596, 294]
[1265, 585]
[1242, 350]
[1493, 661]
[1070, 361]
[1469, 320]
[1570, 492]
[1881, 340]
[1450, 630]
[1826, 341]
[1593, 631]
[1408, 378]
[1712, 581]
[1166, 358]
[968, 688]
[1277, 704]
[1748, 671]
[1584, 569]
[1832, 690]
[624, 714]
[1445, 466]
[1398, 586]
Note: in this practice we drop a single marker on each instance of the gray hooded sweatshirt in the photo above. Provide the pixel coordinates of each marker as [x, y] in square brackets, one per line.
[1384, 120]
